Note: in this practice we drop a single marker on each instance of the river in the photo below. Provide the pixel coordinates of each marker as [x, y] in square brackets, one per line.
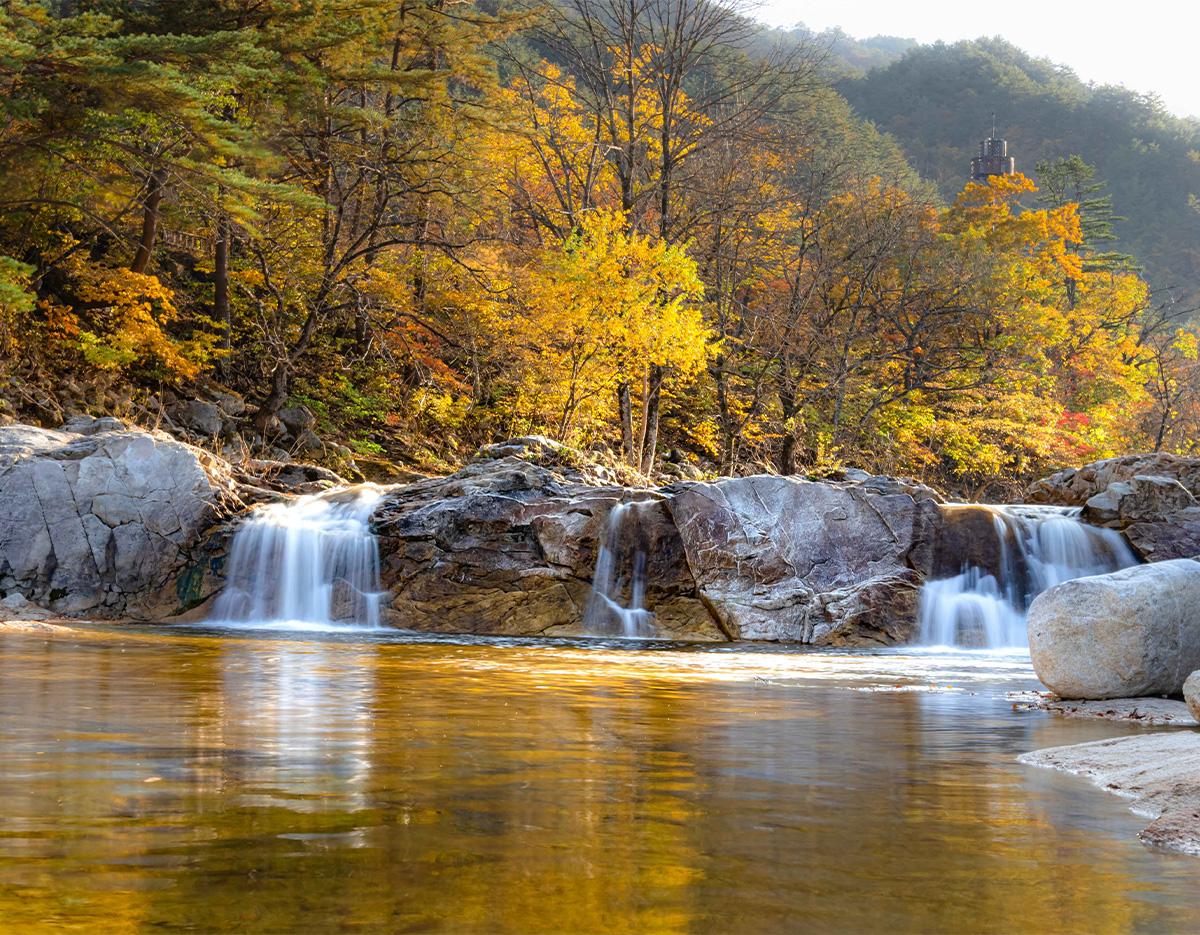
[184, 779]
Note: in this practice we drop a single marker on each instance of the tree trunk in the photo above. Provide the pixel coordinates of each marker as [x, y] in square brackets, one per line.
[724, 416]
[150, 209]
[275, 399]
[625, 408]
[650, 428]
[362, 329]
[221, 290]
[787, 449]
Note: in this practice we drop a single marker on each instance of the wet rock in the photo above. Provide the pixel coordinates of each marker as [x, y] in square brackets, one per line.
[970, 535]
[1191, 693]
[1130, 633]
[883, 610]
[507, 546]
[103, 523]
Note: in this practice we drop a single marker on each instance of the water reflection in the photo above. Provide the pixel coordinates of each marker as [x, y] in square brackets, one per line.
[204, 783]
[305, 709]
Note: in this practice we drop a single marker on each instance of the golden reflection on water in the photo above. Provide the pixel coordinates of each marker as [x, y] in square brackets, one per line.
[205, 783]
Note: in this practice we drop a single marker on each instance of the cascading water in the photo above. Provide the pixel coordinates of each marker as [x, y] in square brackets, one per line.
[311, 562]
[1038, 547]
[620, 571]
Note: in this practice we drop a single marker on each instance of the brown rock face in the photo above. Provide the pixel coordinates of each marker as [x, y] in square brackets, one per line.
[509, 547]
[969, 535]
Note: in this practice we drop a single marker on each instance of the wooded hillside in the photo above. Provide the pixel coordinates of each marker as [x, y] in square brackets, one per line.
[631, 227]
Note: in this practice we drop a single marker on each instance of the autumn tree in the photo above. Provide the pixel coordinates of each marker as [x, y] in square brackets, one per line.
[595, 308]
[666, 80]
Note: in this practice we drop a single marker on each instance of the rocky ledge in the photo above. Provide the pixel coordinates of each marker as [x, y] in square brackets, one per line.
[509, 545]
[1159, 771]
[1145, 712]
[1154, 499]
[98, 519]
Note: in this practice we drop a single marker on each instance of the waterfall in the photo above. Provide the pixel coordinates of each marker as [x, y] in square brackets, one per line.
[620, 571]
[1037, 548]
[311, 562]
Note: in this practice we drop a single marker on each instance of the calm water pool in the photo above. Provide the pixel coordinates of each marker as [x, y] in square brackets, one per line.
[200, 781]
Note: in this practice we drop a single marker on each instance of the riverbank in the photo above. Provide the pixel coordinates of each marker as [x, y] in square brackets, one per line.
[1160, 772]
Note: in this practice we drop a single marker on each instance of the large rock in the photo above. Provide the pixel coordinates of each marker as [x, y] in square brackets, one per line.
[200, 417]
[1130, 633]
[509, 547]
[1174, 536]
[1142, 498]
[1075, 486]
[297, 419]
[778, 558]
[103, 520]
[1191, 693]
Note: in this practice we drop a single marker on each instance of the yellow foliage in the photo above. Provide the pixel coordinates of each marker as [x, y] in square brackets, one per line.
[121, 320]
[597, 309]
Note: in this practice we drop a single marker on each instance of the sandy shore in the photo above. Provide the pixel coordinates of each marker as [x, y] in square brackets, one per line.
[1159, 771]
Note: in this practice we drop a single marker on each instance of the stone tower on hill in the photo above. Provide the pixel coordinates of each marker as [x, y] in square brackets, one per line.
[993, 158]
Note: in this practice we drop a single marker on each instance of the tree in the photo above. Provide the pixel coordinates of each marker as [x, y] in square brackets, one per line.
[603, 307]
[666, 80]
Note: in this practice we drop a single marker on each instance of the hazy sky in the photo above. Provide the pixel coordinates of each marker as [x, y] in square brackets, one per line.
[1146, 45]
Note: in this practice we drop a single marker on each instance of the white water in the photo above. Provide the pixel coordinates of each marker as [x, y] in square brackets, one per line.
[620, 571]
[1039, 547]
[310, 563]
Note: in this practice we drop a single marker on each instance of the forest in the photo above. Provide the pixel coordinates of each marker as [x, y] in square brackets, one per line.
[650, 229]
